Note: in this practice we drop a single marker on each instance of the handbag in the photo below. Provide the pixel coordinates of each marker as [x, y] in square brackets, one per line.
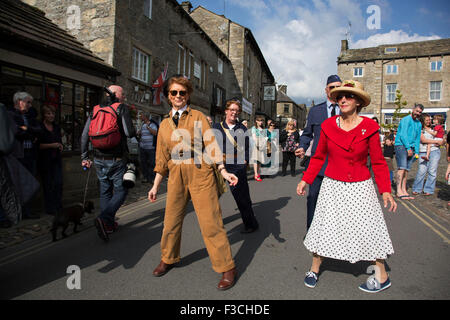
[220, 181]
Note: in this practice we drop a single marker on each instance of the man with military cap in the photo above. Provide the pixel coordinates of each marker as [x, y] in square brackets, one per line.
[318, 114]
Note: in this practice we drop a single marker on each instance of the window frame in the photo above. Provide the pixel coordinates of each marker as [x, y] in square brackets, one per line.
[137, 71]
[389, 92]
[148, 13]
[359, 75]
[435, 91]
[393, 67]
[437, 62]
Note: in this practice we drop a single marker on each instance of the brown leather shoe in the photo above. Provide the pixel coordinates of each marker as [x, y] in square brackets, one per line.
[228, 280]
[162, 269]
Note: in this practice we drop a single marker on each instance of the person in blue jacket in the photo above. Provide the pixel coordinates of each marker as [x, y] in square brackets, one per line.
[318, 114]
[235, 146]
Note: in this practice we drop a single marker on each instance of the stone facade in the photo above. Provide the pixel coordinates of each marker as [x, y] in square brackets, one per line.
[409, 65]
[250, 67]
[113, 29]
[287, 109]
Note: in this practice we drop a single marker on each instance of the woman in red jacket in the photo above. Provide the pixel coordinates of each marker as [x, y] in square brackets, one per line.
[348, 222]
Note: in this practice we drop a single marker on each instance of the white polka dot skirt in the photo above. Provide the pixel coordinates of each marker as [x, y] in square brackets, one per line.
[348, 223]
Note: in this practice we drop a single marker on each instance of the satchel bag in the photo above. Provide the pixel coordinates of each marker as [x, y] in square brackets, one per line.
[220, 181]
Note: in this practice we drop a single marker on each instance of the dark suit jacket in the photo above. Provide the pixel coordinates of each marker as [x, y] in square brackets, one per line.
[316, 116]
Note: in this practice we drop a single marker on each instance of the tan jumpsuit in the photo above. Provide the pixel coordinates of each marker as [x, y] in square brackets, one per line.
[191, 181]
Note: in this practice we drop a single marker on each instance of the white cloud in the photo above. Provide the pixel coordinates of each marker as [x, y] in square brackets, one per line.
[394, 36]
[302, 40]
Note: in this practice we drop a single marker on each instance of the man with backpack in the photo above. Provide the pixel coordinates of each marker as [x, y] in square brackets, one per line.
[107, 128]
[147, 146]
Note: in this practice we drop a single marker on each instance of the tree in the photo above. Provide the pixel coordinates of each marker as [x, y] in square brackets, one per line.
[397, 115]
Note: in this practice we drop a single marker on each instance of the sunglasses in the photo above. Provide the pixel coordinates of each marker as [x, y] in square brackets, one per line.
[174, 93]
[346, 95]
[332, 87]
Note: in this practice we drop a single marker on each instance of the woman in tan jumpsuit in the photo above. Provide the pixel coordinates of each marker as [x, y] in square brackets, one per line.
[190, 179]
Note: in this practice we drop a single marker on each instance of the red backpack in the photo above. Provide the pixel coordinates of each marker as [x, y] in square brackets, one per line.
[104, 131]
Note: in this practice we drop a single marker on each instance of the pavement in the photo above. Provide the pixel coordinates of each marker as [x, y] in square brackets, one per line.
[27, 230]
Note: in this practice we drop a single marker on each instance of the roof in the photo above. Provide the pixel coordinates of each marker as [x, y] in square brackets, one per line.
[404, 50]
[249, 34]
[25, 29]
[282, 97]
[187, 16]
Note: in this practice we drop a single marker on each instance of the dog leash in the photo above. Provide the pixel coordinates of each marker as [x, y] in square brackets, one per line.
[86, 187]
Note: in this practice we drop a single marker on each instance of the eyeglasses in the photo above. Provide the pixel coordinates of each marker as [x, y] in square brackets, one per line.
[346, 95]
[174, 93]
[234, 110]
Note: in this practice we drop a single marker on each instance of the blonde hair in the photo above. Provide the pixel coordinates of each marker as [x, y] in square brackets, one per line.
[288, 123]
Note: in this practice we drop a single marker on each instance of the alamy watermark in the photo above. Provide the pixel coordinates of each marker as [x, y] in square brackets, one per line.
[374, 281]
[248, 146]
[73, 21]
[74, 280]
[374, 21]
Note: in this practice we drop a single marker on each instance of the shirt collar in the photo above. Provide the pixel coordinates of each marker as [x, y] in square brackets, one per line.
[180, 111]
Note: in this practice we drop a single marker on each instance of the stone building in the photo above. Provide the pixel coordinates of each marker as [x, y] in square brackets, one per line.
[38, 57]
[140, 38]
[420, 70]
[250, 67]
[287, 109]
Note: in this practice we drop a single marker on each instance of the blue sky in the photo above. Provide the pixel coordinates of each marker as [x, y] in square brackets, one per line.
[300, 39]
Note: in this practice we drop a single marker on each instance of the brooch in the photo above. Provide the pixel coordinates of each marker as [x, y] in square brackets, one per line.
[363, 131]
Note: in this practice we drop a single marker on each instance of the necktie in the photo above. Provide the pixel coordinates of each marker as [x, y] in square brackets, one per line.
[333, 110]
[175, 118]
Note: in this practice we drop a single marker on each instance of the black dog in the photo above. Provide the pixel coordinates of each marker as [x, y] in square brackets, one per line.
[73, 214]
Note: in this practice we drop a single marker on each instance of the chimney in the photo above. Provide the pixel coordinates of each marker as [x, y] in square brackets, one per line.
[344, 45]
[283, 88]
[187, 6]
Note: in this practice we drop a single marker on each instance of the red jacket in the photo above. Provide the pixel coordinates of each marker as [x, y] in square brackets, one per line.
[347, 154]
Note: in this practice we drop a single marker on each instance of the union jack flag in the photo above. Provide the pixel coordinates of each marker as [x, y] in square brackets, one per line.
[158, 86]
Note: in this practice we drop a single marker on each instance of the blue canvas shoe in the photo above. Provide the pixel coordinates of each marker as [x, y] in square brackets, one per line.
[373, 286]
[311, 279]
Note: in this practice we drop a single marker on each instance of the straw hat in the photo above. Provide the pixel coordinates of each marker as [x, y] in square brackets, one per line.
[354, 87]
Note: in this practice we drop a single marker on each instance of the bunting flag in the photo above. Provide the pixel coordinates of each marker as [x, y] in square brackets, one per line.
[158, 86]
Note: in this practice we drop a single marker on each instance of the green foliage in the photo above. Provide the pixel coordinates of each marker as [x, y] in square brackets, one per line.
[397, 116]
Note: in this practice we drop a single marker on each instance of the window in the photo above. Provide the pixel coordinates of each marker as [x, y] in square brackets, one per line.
[248, 88]
[181, 67]
[392, 69]
[436, 66]
[191, 65]
[140, 65]
[220, 66]
[148, 8]
[358, 72]
[286, 108]
[435, 90]
[391, 88]
[203, 75]
[390, 50]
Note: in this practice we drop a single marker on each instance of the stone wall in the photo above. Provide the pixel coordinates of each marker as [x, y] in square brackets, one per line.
[413, 80]
[112, 28]
[97, 22]
[233, 41]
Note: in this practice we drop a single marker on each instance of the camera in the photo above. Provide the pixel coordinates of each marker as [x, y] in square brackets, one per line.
[129, 178]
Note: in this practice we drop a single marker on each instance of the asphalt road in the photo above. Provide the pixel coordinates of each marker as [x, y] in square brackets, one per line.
[271, 262]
